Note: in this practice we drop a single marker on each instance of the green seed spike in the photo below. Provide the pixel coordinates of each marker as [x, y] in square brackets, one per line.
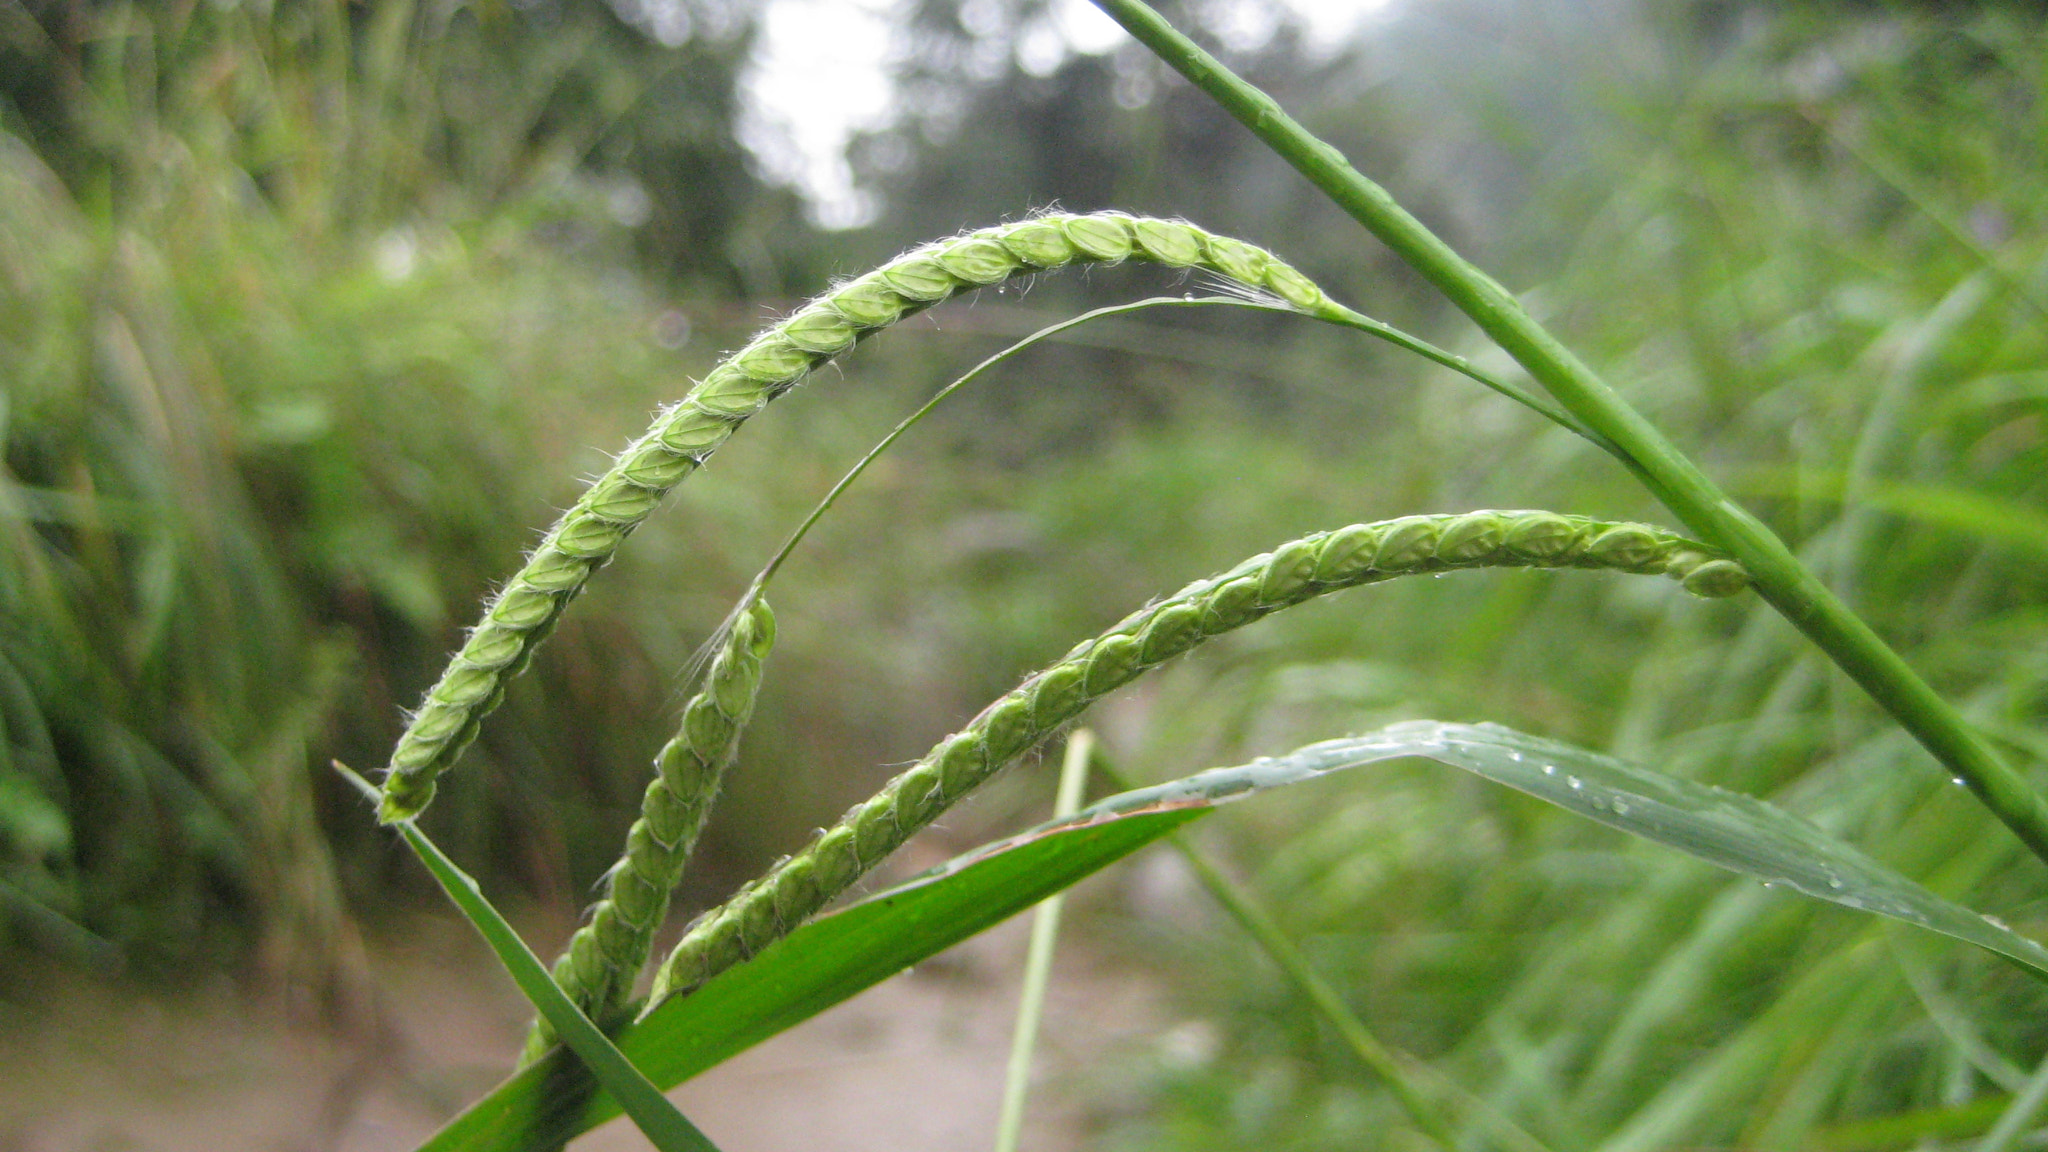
[684, 435]
[1295, 572]
[599, 966]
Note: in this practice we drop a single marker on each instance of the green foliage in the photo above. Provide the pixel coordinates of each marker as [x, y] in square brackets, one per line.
[294, 311]
[668, 1129]
[813, 968]
[1715, 236]
[302, 324]
[823, 962]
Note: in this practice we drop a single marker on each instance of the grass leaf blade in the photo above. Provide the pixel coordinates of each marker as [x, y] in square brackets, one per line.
[831, 958]
[2025, 1106]
[1403, 1075]
[667, 1128]
[819, 965]
[1728, 829]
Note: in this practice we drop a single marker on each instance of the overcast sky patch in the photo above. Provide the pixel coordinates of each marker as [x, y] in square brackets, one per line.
[820, 75]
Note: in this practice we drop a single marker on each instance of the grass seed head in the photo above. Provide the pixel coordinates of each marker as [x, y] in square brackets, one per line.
[606, 954]
[684, 435]
[1290, 574]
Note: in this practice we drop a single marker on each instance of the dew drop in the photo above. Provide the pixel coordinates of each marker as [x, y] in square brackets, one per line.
[1995, 922]
[1575, 782]
[1515, 756]
[1550, 769]
[1621, 807]
[1956, 780]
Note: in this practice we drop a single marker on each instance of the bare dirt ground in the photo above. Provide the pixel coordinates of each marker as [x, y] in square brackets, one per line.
[915, 1063]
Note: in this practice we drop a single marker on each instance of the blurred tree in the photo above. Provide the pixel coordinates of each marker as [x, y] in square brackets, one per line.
[356, 115]
[1001, 116]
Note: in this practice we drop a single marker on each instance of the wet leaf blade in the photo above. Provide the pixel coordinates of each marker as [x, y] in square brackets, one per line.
[1737, 832]
[817, 966]
[833, 958]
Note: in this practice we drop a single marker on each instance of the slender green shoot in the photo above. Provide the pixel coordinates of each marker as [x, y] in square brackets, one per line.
[1398, 1070]
[1337, 315]
[1781, 579]
[1346, 318]
[2019, 1115]
[1045, 930]
[667, 1128]
[1954, 1023]
[1928, 206]
[1924, 1127]
[796, 537]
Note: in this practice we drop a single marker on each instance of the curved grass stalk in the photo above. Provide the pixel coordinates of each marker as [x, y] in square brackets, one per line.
[1673, 478]
[1348, 319]
[2025, 1106]
[684, 435]
[831, 497]
[1315, 565]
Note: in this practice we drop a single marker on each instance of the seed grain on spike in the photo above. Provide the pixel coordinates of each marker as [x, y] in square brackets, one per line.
[1295, 572]
[686, 434]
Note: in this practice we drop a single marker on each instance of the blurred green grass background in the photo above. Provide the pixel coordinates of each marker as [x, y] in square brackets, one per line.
[312, 313]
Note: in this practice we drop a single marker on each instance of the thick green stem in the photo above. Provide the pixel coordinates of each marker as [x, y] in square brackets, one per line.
[1779, 576]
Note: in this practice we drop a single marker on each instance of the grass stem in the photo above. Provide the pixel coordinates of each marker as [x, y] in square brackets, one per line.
[1397, 1070]
[1335, 314]
[1780, 578]
[1045, 930]
[2020, 1114]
